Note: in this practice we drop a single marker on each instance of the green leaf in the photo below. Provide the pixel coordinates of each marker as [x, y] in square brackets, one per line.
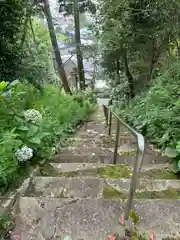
[3, 85]
[134, 217]
[178, 147]
[179, 165]
[42, 135]
[67, 238]
[18, 142]
[23, 128]
[35, 140]
[175, 167]
[165, 138]
[32, 131]
[171, 152]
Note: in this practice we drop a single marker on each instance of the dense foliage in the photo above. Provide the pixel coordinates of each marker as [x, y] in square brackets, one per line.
[36, 65]
[135, 37]
[84, 5]
[140, 48]
[25, 47]
[156, 113]
[32, 123]
[11, 31]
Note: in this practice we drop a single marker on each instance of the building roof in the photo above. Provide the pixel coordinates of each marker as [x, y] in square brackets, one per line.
[88, 66]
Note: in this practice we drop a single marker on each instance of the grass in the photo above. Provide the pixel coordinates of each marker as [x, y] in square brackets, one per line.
[19, 177]
[63, 38]
[170, 193]
[120, 171]
[115, 172]
[6, 225]
[110, 193]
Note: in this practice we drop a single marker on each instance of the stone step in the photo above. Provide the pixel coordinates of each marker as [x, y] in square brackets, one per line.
[102, 188]
[95, 219]
[66, 167]
[85, 154]
[152, 171]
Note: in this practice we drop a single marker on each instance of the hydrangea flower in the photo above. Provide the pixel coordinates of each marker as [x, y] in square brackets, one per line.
[88, 90]
[32, 115]
[24, 154]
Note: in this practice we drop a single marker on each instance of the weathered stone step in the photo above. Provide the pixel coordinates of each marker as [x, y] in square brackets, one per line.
[49, 218]
[153, 171]
[100, 188]
[65, 167]
[103, 155]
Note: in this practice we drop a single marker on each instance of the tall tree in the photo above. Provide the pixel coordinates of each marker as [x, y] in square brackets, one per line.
[139, 33]
[60, 66]
[80, 67]
[76, 7]
[12, 16]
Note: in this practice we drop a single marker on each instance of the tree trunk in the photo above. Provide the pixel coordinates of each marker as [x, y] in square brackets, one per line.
[52, 34]
[78, 46]
[117, 72]
[128, 74]
[27, 18]
[152, 60]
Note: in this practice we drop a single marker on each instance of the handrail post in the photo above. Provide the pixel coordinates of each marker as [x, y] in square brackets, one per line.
[133, 184]
[106, 114]
[138, 161]
[110, 122]
[116, 142]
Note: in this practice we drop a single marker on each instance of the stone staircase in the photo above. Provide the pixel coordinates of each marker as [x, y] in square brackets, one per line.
[82, 195]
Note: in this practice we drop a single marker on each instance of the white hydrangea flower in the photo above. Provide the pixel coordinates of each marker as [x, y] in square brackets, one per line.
[32, 115]
[23, 154]
[88, 90]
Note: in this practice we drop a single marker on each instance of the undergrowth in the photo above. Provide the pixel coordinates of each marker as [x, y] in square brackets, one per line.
[31, 123]
[156, 113]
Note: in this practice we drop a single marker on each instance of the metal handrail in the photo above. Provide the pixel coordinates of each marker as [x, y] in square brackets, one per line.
[140, 154]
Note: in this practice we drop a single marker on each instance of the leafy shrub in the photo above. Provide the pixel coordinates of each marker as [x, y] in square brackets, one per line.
[37, 60]
[120, 93]
[87, 94]
[32, 123]
[157, 112]
[174, 153]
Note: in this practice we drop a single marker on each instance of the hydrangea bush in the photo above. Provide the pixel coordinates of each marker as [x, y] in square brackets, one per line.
[28, 135]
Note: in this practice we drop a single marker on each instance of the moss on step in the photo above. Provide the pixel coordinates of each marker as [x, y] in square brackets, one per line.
[68, 174]
[115, 172]
[171, 238]
[119, 171]
[170, 193]
[47, 170]
[107, 141]
[131, 153]
[159, 174]
[125, 171]
[111, 193]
